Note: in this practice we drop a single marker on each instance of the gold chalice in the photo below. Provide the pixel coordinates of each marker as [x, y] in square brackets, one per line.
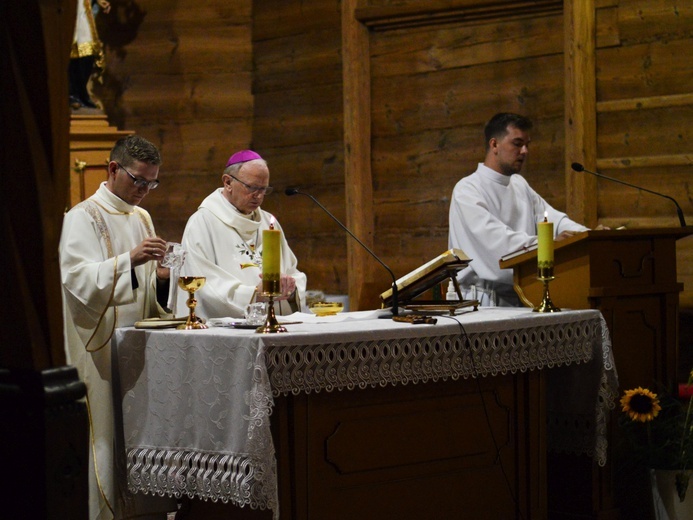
[191, 284]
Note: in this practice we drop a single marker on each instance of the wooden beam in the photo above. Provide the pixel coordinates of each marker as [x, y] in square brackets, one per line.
[427, 14]
[580, 108]
[644, 161]
[358, 182]
[643, 103]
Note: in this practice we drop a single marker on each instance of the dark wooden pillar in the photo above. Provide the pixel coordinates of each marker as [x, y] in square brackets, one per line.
[44, 431]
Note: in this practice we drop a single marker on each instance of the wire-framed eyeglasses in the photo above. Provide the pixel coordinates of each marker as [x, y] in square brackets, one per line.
[138, 181]
[262, 190]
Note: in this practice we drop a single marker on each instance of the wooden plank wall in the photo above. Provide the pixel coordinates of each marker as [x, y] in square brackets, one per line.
[179, 73]
[202, 81]
[298, 128]
[437, 73]
[433, 88]
[644, 109]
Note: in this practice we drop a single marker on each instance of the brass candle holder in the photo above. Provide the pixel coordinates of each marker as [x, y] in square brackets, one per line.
[271, 289]
[192, 284]
[545, 275]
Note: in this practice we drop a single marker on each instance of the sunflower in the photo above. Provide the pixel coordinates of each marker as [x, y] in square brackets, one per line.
[658, 427]
[640, 404]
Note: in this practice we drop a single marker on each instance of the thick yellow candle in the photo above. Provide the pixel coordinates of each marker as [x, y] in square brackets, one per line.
[271, 260]
[545, 240]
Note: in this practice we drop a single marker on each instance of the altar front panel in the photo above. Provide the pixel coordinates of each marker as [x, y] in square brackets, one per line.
[416, 451]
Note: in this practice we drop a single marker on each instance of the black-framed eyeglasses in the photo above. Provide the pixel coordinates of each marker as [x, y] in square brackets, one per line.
[262, 190]
[138, 181]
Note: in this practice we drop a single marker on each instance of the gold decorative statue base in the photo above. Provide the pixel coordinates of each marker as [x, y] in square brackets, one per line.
[191, 284]
[271, 325]
[545, 275]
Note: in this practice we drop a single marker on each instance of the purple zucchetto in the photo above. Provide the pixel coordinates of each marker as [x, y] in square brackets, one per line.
[242, 156]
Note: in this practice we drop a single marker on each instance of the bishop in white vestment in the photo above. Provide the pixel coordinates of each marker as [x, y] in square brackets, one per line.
[223, 242]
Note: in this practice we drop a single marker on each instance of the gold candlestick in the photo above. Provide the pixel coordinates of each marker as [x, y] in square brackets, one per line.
[271, 325]
[545, 275]
[271, 276]
[191, 284]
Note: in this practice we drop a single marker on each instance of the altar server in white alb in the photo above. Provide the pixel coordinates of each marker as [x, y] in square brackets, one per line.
[494, 212]
[223, 242]
[109, 255]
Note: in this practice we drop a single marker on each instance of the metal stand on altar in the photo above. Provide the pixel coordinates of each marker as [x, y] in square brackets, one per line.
[442, 268]
[271, 289]
[545, 276]
[449, 306]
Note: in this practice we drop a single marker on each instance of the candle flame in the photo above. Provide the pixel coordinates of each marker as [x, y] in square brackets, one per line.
[271, 226]
[546, 216]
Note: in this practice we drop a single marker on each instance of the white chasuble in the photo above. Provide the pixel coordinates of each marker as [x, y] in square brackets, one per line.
[98, 296]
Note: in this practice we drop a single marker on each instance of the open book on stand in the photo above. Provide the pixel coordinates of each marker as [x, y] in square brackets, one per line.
[444, 266]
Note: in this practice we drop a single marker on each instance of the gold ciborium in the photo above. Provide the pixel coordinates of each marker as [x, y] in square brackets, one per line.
[191, 284]
[322, 309]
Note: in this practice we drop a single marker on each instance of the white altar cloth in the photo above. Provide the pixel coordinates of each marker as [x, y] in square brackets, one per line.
[196, 404]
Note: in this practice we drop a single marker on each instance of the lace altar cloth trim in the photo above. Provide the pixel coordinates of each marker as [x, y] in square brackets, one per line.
[360, 364]
[210, 439]
[209, 476]
[577, 421]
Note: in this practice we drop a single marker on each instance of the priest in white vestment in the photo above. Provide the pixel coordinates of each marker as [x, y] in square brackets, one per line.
[223, 242]
[108, 260]
[494, 212]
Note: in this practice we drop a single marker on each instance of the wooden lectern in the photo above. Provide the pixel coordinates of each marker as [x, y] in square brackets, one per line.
[630, 276]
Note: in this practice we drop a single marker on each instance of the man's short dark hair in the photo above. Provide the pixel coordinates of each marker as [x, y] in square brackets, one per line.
[135, 148]
[497, 127]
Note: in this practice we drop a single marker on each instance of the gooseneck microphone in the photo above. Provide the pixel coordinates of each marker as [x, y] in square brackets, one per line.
[580, 168]
[395, 309]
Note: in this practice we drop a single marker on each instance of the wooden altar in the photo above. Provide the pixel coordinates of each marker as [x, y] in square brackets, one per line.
[371, 419]
[630, 276]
